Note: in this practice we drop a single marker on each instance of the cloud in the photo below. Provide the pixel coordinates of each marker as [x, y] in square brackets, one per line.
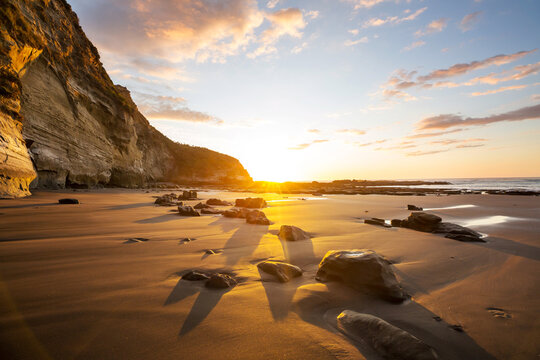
[398, 93]
[456, 141]
[306, 145]
[445, 121]
[171, 108]
[359, 4]
[352, 131]
[428, 152]
[469, 21]
[516, 73]
[469, 146]
[501, 89]
[283, 22]
[370, 143]
[313, 14]
[374, 22]
[314, 131]
[272, 3]
[299, 48]
[363, 40]
[433, 27]
[414, 45]
[432, 134]
[354, 31]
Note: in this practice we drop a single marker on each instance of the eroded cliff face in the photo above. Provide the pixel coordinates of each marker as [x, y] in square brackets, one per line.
[64, 123]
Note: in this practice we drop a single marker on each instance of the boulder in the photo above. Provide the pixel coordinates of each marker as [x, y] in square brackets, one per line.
[167, 200]
[211, 211]
[449, 228]
[364, 270]
[292, 233]
[218, 202]
[395, 222]
[421, 221]
[252, 203]
[187, 211]
[257, 217]
[235, 213]
[378, 222]
[414, 208]
[188, 195]
[282, 270]
[464, 237]
[195, 275]
[68, 201]
[387, 340]
[220, 281]
[201, 206]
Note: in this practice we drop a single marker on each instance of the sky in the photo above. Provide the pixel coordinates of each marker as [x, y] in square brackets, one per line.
[334, 89]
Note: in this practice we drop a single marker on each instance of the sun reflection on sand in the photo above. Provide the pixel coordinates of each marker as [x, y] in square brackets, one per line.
[490, 220]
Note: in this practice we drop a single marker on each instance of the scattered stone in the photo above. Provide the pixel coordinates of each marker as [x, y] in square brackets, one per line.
[235, 213]
[220, 281]
[292, 233]
[202, 206]
[414, 208]
[499, 313]
[211, 211]
[186, 240]
[364, 270]
[195, 275]
[257, 217]
[218, 202]
[458, 328]
[437, 318]
[212, 251]
[187, 211]
[395, 223]
[68, 201]
[137, 239]
[378, 222]
[464, 238]
[449, 228]
[421, 221]
[188, 195]
[387, 340]
[282, 270]
[167, 200]
[252, 203]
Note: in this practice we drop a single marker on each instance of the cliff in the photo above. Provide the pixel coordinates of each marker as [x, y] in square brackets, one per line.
[64, 123]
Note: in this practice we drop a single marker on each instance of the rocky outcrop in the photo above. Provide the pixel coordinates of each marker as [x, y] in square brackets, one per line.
[63, 123]
[364, 270]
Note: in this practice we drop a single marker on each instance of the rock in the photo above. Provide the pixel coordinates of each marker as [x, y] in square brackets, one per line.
[220, 281]
[212, 251]
[166, 200]
[186, 240]
[364, 270]
[202, 206]
[187, 211]
[449, 228]
[236, 213]
[378, 222]
[188, 195]
[395, 222]
[195, 275]
[282, 270]
[218, 202]
[137, 239]
[387, 340]
[421, 221]
[211, 211]
[68, 201]
[257, 217]
[464, 238]
[253, 203]
[292, 233]
[414, 208]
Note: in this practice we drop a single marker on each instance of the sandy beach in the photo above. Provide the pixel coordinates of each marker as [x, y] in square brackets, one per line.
[74, 286]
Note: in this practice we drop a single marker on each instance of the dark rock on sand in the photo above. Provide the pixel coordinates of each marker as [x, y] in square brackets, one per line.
[187, 211]
[282, 270]
[364, 270]
[167, 200]
[235, 213]
[464, 238]
[252, 203]
[421, 221]
[257, 217]
[376, 221]
[218, 202]
[211, 211]
[414, 208]
[220, 281]
[292, 233]
[387, 340]
[188, 195]
[202, 206]
[195, 275]
[68, 201]
[395, 223]
[449, 228]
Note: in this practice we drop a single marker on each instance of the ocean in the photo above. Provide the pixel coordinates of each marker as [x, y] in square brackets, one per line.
[531, 184]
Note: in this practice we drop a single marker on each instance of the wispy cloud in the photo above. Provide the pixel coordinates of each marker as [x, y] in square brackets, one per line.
[272, 3]
[359, 4]
[352, 131]
[306, 145]
[370, 143]
[501, 89]
[414, 45]
[445, 121]
[433, 27]
[362, 40]
[428, 152]
[469, 21]
[314, 131]
[374, 22]
[312, 14]
[457, 141]
[433, 134]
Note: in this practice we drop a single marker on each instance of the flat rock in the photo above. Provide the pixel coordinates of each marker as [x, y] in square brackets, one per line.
[194, 275]
[464, 238]
[68, 201]
[218, 202]
[449, 228]
[387, 340]
[421, 221]
[252, 203]
[220, 281]
[282, 270]
[378, 222]
[187, 211]
[364, 270]
[292, 233]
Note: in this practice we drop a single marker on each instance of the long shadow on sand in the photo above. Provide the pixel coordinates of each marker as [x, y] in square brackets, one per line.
[163, 218]
[321, 308]
[511, 247]
[24, 206]
[130, 206]
[243, 242]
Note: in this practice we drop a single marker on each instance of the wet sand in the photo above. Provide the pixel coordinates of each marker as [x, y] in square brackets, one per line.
[73, 286]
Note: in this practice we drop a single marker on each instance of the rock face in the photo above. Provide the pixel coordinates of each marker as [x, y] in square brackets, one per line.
[421, 221]
[387, 340]
[364, 270]
[63, 123]
[282, 270]
[292, 233]
[252, 203]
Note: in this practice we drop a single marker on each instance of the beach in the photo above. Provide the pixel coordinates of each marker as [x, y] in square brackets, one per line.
[73, 284]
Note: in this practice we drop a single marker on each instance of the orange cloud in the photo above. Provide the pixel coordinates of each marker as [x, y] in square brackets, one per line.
[352, 131]
[469, 20]
[374, 22]
[306, 145]
[433, 27]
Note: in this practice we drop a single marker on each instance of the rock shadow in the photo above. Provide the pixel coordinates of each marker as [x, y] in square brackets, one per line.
[129, 206]
[24, 206]
[162, 219]
[203, 306]
[511, 247]
[247, 237]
